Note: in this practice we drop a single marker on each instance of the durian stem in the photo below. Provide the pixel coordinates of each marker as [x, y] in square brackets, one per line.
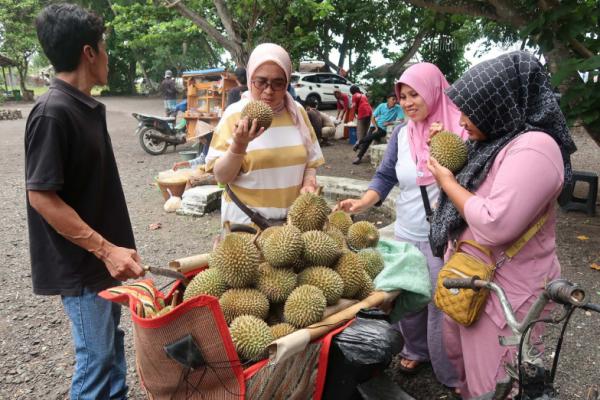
[175, 298]
[227, 227]
[319, 190]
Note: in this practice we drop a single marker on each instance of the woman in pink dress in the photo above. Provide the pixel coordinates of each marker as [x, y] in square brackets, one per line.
[518, 160]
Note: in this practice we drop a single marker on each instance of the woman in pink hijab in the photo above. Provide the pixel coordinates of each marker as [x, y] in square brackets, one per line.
[266, 169]
[420, 91]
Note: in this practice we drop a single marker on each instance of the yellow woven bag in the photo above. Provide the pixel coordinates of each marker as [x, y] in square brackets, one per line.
[464, 305]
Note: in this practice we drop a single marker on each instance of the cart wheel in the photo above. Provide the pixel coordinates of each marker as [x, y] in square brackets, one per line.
[151, 145]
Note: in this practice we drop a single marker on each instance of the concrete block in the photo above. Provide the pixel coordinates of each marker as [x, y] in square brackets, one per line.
[376, 152]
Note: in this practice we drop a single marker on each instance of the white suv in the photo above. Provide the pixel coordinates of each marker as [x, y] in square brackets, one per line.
[319, 86]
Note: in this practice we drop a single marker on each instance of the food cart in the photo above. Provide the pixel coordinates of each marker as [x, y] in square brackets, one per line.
[206, 96]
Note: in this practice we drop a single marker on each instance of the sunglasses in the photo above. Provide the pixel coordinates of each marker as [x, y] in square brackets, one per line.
[276, 85]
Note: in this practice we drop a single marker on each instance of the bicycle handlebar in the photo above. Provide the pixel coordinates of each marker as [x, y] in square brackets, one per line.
[564, 292]
[464, 283]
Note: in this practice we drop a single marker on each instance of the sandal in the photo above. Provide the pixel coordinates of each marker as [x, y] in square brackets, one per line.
[417, 365]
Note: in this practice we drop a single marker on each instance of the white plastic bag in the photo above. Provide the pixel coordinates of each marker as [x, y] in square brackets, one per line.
[173, 204]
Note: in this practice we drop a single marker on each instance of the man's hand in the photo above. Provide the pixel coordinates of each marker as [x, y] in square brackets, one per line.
[122, 263]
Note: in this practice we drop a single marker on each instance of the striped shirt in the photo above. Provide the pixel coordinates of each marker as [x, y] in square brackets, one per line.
[273, 167]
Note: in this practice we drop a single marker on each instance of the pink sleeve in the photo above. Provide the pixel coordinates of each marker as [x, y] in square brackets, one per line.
[527, 180]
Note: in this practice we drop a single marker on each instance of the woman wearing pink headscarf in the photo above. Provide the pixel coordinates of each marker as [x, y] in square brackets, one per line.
[420, 91]
[266, 169]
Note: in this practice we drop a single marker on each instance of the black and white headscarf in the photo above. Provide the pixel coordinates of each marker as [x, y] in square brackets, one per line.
[503, 97]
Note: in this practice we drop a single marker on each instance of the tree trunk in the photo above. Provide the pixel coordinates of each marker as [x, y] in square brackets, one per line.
[27, 94]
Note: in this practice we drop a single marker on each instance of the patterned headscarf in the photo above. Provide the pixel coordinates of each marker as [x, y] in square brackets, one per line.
[504, 97]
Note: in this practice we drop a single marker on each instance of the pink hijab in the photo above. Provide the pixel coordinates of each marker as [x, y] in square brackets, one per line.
[274, 53]
[427, 80]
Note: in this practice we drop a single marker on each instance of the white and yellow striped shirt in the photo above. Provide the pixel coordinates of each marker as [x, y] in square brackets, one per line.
[272, 170]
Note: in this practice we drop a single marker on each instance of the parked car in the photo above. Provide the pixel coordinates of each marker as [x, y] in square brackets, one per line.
[319, 86]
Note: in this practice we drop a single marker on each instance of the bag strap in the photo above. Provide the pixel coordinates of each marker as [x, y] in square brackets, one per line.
[514, 248]
[425, 197]
[479, 247]
[518, 245]
[255, 217]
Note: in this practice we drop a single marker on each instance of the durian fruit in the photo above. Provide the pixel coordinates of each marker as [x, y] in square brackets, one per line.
[362, 234]
[282, 329]
[259, 110]
[326, 279]
[236, 302]
[210, 282]
[250, 336]
[320, 248]
[283, 246]
[338, 236]
[308, 212]
[305, 306]
[341, 220]
[350, 269]
[260, 242]
[449, 150]
[372, 261]
[237, 258]
[366, 287]
[275, 283]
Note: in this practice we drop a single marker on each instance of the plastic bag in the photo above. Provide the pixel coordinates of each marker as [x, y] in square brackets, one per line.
[361, 351]
[369, 340]
[173, 204]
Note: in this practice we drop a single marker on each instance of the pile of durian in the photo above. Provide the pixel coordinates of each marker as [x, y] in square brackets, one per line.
[281, 279]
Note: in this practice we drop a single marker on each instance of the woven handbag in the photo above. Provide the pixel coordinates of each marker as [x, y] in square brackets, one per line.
[464, 305]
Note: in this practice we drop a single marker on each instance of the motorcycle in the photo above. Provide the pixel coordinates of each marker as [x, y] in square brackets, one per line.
[157, 133]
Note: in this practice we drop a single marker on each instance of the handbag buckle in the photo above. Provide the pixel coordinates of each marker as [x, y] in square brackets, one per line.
[503, 260]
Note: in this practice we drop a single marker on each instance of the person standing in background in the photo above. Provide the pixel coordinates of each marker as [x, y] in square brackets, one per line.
[362, 110]
[80, 237]
[169, 91]
[235, 94]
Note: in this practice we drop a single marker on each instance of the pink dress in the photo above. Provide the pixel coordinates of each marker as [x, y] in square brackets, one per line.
[522, 184]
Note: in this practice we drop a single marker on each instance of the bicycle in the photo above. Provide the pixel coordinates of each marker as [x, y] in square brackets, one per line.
[534, 381]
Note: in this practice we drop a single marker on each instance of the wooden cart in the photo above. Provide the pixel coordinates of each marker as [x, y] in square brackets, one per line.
[206, 96]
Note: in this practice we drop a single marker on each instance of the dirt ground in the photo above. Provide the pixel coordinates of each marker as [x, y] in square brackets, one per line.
[36, 355]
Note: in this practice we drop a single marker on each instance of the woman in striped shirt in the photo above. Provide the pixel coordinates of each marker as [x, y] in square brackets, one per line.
[266, 169]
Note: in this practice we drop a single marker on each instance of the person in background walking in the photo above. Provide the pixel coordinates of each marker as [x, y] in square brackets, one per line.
[169, 91]
[80, 237]
[386, 114]
[235, 94]
[363, 111]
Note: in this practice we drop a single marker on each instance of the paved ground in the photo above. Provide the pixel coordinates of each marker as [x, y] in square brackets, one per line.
[35, 348]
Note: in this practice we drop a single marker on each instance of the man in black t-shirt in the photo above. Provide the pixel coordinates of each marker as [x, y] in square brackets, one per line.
[80, 236]
[235, 94]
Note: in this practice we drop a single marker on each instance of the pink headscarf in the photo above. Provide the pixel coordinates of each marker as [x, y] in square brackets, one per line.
[274, 53]
[427, 80]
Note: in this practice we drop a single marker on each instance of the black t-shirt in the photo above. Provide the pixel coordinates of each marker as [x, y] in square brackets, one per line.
[68, 151]
[235, 94]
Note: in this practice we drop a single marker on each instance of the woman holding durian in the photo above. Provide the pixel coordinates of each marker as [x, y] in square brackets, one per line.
[266, 167]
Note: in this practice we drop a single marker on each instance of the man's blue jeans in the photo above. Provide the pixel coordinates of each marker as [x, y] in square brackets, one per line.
[100, 368]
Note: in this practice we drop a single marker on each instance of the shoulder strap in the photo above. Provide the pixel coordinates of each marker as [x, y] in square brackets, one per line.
[426, 205]
[255, 217]
[518, 245]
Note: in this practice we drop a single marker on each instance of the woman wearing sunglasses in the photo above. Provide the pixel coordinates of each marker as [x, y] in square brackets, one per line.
[266, 169]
